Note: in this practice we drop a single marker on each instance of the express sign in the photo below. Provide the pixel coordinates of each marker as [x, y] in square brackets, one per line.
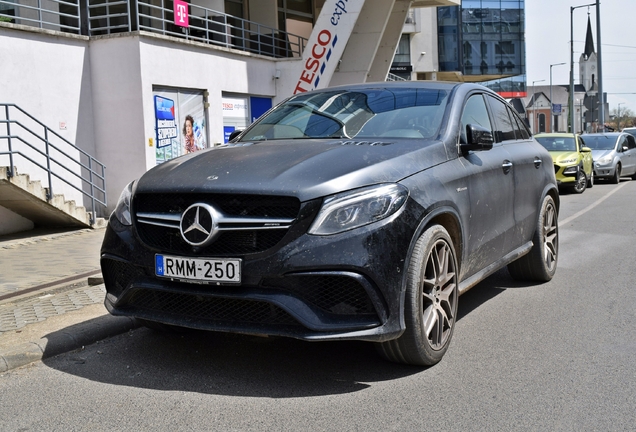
[335, 23]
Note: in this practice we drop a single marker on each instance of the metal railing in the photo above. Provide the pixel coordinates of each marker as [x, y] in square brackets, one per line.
[45, 14]
[51, 153]
[205, 25]
[100, 17]
[393, 77]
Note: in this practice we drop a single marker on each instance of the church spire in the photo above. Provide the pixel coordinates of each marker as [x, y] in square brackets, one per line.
[589, 41]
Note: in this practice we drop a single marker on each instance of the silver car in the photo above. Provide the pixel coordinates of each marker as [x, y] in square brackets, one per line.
[614, 155]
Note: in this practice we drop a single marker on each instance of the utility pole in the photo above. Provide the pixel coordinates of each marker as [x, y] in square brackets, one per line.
[600, 65]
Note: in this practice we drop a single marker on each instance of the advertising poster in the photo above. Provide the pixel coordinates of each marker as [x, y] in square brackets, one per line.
[180, 123]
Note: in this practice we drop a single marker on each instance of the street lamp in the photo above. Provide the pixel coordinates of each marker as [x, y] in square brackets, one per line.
[618, 122]
[534, 117]
[551, 104]
[571, 98]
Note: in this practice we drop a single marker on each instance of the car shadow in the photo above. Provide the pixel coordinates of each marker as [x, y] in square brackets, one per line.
[229, 364]
[489, 288]
[243, 365]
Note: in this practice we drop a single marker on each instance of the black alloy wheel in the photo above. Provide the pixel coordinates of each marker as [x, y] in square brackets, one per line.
[430, 309]
[540, 263]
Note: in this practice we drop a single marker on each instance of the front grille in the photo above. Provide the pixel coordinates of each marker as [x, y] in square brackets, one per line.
[232, 242]
[341, 295]
[231, 205]
[212, 309]
[228, 243]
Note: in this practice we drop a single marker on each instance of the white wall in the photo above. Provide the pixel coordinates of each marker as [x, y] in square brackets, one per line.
[48, 77]
[425, 41]
[11, 222]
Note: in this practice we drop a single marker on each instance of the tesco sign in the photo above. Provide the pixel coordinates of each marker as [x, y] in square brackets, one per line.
[335, 22]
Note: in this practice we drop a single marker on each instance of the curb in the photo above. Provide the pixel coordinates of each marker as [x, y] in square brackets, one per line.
[61, 342]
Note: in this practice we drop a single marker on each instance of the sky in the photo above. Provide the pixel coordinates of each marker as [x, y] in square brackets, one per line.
[548, 42]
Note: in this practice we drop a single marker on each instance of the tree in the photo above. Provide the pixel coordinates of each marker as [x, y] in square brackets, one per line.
[624, 118]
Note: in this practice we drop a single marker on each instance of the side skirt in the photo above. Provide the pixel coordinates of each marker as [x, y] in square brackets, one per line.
[467, 284]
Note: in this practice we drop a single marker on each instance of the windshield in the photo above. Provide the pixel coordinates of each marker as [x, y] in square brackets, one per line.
[369, 113]
[600, 142]
[557, 143]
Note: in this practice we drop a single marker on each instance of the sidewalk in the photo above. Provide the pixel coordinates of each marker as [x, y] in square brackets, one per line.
[51, 295]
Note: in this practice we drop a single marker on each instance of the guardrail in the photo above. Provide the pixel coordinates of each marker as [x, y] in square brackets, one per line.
[86, 174]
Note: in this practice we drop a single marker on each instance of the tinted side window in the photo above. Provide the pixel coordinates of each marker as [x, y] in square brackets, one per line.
[621, 142]
[504, 130]
[475, 113]
[631, 142]
[521, 131]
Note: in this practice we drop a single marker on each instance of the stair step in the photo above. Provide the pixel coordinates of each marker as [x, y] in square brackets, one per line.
[36, 189]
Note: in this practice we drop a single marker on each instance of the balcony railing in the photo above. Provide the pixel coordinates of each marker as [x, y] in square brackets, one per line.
[100, 17]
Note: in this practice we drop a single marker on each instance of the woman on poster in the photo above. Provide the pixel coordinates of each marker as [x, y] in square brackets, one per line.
[188, 133]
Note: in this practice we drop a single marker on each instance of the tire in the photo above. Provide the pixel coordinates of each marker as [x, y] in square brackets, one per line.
[580, 183]
[590, 181]
[430, 306]
[617, 174]
[541, 262]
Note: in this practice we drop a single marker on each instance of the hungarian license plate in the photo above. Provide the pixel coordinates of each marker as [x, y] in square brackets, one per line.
[198, 269]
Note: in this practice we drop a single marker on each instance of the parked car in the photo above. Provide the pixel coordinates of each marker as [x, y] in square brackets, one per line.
[358, 212]
[573, 164]
[630, 130]
[614, 155]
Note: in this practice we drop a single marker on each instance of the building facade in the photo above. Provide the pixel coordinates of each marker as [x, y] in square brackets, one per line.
[479, 41]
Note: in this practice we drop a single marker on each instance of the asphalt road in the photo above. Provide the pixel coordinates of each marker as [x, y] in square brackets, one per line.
[553, 357]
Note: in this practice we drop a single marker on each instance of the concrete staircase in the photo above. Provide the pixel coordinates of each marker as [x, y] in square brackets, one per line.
[28, 199]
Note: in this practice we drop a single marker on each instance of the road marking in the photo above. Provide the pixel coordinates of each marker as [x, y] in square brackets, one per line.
[591, 206]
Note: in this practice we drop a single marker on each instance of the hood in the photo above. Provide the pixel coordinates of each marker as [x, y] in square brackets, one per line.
[561, 156]
[306, 169]
[599, 154]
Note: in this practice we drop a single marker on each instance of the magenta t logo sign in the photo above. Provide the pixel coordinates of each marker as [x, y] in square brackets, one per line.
[181, 13]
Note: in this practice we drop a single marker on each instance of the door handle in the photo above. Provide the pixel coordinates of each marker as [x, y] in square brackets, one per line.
[537, 162]
[507, 166]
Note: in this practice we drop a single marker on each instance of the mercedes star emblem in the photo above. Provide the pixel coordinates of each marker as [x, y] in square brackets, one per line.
[198, 225]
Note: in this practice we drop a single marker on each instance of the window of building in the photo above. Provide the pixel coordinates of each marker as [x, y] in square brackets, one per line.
[296, 16]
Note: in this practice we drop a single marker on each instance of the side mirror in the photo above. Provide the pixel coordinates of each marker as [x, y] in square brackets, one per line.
[586, 149]
[625, 148]
[234, 134]
[479, 138]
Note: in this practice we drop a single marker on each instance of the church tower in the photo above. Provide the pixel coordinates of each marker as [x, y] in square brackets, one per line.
[587, 62]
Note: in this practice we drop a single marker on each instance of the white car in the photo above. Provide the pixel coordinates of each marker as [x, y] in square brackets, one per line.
[614, 155]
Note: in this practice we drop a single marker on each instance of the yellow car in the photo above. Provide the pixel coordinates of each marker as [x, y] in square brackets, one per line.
[572, 160]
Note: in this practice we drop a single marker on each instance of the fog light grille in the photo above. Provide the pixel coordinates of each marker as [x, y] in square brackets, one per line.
[191, 306]
[341, 295]
[118, 275]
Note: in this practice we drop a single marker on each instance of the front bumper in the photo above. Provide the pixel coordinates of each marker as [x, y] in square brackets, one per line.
[604, 171]
[343, 286]
[566, 174]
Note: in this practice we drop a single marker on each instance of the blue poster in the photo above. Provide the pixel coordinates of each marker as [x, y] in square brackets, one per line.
[227, 131]
[165, 123]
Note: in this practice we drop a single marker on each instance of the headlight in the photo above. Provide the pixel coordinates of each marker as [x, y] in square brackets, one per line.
[605, 160]
[122, 211]
[571, 170]
[353, 209]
